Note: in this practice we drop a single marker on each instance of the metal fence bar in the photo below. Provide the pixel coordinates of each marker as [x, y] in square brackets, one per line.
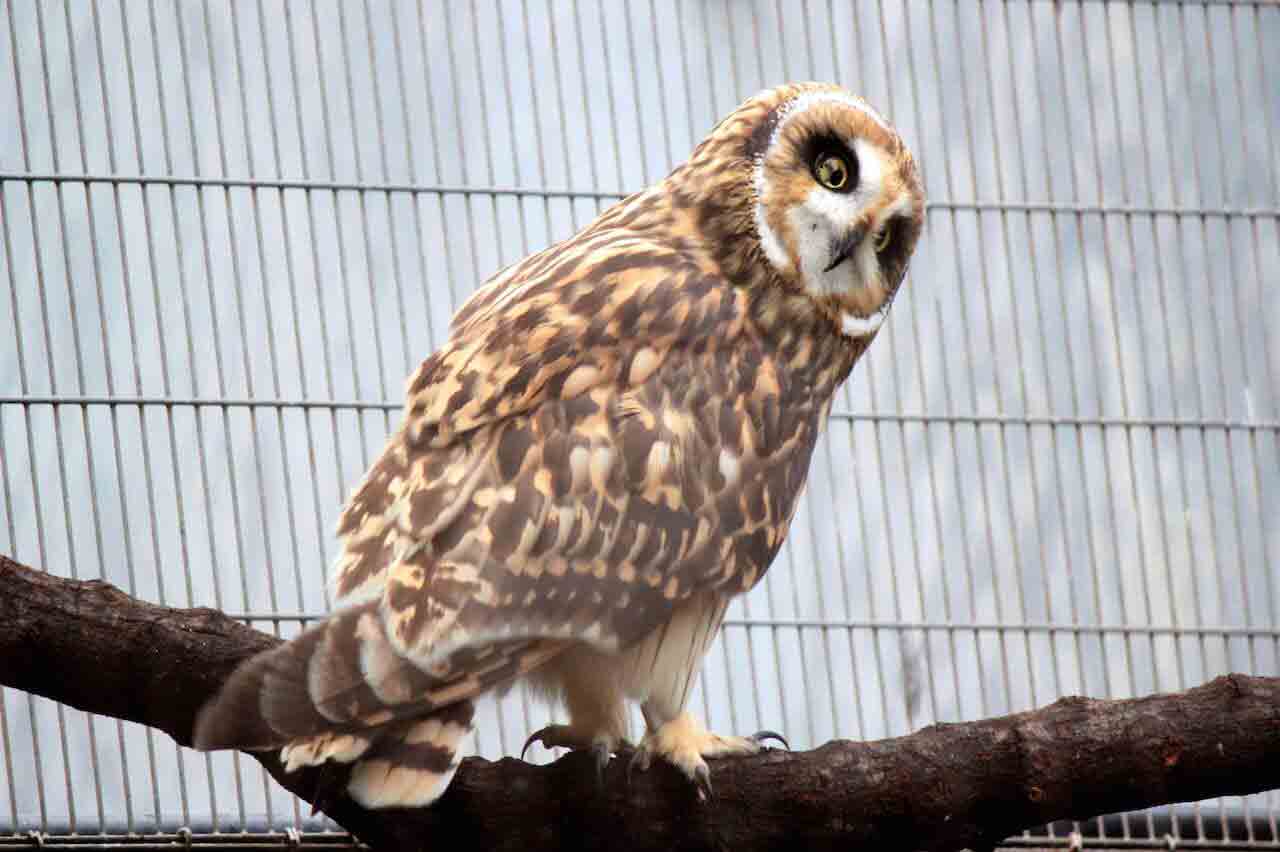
[413, 188]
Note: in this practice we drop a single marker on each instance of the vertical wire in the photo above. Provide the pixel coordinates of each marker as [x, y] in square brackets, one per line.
[1184, 490]
[23, 386]
[184, 299]
[813, 532]
[436, 164]
[748, 630]
[1109, 280]
[819, 596]
[876, 629]
[326, 355]
[1120, 371]
[462, 144]
[439, 173]
[861, 729]
[918, 574]
[115, 432]
[272, 360]
[1269, 145]
[411, 158]
[344, 276]
[685, 77]
[1221, 378]
[218, 371]
[515, 161]
[1168, 347]
[358, 160]
[1195, 360]
[709, 67]
[326, 360]
[478, 275]
[1136, 504]
[1024, 191]
[1074, 383]
[525, 247]
[137, 378]
[148, 734]
[1040, 328]
[662, 88]
[291, 282]
[746, 604]
[926, 432]
[768, 581]
[999, 429]
[1199, 392]
[1239, 329]
[238, 290]
[380, 125]
[1149, 393]
[5, 741]
[53, 386]
[966, 546]
[1044, 358]
[1006, 247]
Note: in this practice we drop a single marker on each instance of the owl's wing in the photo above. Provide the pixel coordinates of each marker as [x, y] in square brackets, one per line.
[596, 443]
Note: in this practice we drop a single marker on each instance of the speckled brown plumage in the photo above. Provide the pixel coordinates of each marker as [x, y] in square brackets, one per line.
[616, 431]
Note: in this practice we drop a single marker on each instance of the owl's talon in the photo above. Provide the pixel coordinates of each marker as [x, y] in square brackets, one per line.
[639, 760]
[600, 753]
[702, 778]
[761, 737]
[554, 736]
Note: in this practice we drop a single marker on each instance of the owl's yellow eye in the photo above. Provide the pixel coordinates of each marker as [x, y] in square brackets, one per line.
[832, 171]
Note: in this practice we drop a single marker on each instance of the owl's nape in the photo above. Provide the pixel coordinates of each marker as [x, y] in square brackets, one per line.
[607, 450]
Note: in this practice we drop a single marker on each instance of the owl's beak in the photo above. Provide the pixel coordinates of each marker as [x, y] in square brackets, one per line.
[843, 247]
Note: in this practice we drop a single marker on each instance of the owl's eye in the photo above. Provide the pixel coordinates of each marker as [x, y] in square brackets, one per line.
[833, 172]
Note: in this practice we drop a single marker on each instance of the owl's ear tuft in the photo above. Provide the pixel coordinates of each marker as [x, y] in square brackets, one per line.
[758, 141]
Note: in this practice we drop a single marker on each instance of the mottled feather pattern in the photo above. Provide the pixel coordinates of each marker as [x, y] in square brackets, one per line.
[608, 448]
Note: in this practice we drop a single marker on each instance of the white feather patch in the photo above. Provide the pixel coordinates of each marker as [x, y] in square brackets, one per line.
[853, 326]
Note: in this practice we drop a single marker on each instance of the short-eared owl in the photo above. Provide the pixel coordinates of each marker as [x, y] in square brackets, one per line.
[608, 448]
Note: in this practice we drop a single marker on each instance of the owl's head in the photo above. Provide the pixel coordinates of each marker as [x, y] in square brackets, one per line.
[836, 201]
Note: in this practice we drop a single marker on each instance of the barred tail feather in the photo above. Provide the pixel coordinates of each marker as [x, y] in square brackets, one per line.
[339, 692]
[411, 765]
[339, 677]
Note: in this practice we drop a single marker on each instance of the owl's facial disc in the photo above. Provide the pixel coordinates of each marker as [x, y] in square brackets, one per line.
[838, 206]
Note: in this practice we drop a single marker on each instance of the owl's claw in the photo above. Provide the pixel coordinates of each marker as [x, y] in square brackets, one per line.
[600, 754]
[564, 736]
[639, 760]
[556, 736]
[702, 778]
[761, 737]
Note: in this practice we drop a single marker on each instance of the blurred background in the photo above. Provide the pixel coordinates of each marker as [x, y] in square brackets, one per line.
[231, 230]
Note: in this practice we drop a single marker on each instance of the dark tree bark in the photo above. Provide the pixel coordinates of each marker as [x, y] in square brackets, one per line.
[945, 787]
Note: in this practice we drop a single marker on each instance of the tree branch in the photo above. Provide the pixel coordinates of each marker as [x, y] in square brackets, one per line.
[91, 646]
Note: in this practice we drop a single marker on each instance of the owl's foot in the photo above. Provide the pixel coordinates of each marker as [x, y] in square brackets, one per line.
[601, 746]
[685, 744]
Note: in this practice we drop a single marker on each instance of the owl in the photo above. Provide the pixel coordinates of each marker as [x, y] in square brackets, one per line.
[607, 450]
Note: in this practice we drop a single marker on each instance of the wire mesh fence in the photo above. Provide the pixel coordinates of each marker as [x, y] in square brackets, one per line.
[231, 229]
